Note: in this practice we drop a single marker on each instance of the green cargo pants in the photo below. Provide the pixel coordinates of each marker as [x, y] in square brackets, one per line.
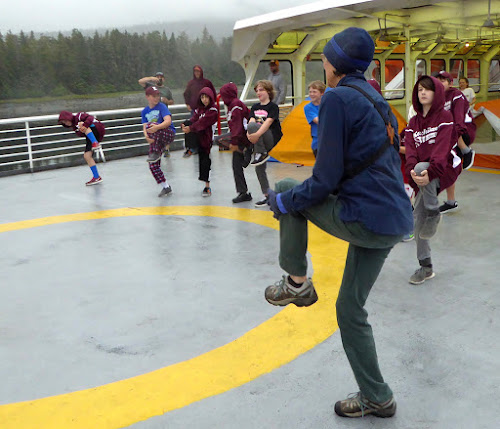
[365, 258]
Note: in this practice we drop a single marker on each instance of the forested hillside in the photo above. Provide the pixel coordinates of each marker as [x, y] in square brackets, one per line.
[105, 63]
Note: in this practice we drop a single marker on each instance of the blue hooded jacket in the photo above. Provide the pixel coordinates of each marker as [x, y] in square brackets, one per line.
[350, 130]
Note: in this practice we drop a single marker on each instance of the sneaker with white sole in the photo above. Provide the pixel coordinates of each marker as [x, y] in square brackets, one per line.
[94, 181]
[446, 207]
[421, 275]
[408, 237]
[283, 293]
[261, 203]
[207, 192]
[356, 405]
[259, 159]
[165, 191]
[468, 160]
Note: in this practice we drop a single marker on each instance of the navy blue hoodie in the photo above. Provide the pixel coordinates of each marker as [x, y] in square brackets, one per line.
[350, 130]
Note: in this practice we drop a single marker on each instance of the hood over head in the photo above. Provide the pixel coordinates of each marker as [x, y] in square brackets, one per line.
[210, 93]
[65, 116]
[197, 66]
[228, 93]
[437, 102]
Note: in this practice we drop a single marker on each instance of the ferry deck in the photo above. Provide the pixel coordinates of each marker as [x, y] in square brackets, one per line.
[122, 309]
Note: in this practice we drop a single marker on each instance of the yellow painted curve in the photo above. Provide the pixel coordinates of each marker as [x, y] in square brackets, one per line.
[270, 345]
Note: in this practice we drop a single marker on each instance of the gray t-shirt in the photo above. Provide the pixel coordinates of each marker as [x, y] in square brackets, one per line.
[279, 87]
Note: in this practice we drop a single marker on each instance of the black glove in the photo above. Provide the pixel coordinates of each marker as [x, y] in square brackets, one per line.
[273, 204]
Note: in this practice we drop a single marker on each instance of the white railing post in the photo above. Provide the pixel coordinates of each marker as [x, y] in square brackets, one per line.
[28, 141]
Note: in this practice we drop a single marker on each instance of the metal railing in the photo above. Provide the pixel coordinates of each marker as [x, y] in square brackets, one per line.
[38, 143]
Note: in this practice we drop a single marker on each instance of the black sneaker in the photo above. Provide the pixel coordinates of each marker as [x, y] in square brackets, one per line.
[207, 192]
[261, 203]
[244, 196]
[468, 160]
[259, 159]
[445, 207]
[187, 154]
[357, 405]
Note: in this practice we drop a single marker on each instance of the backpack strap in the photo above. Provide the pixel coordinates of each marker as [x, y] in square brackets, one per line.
[349, 174]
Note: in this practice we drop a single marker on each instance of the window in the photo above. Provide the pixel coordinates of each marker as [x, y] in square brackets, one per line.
[394, 79]
[494, 76]
[314, 71]
[373, 71]
[473, 68]
[456, 70]
[420, 69]
[263, 72]
[437, 66]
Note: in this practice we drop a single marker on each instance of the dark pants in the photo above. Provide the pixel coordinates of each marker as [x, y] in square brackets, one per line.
[365, 258]
[191, 140]
[204, 165]
[238, 173]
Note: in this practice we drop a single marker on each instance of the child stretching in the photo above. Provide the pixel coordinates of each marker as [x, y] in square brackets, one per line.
[431, 164]
[85, 125]
[264, 131]
[237, 119]
[311, 110]
[159, 133]
[202, 122]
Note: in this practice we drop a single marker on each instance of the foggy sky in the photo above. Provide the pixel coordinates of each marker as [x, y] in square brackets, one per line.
[64, 15]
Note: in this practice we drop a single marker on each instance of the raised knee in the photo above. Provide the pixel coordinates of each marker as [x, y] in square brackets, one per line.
[286, 184]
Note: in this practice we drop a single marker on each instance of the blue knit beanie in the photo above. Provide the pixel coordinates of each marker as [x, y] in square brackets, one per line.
[350, 50]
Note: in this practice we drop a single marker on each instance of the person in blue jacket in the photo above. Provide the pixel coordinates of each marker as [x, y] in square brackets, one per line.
[355, 193]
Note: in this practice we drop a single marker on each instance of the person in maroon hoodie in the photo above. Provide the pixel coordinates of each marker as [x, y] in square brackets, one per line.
[465, 131]
[191, 98]
[240, 146]
[204, 118]
[85, 125]
[431, 164]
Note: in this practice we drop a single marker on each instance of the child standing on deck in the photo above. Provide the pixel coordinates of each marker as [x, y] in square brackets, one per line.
[431, 164]
[264, 132]
[316, 90]
[237, 120]
[159, 133]
[85, 125]
[202, 122]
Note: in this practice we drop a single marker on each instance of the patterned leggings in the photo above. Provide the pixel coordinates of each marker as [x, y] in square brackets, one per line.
[161, 139]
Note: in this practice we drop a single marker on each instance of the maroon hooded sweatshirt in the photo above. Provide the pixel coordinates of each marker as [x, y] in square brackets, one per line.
[458, 105]
[237, 114]
[430, 139]
[203, 120]
[193, 88]
[87, 120]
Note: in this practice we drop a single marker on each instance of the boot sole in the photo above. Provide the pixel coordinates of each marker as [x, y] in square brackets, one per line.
[383, 415]
[299, 302]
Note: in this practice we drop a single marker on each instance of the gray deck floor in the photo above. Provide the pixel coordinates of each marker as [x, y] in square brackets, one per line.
[88, 303]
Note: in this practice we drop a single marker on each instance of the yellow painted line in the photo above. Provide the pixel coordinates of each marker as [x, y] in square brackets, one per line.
[279, 340]
[484, 170]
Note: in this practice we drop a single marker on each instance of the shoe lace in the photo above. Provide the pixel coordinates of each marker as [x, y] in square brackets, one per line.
[356, 399]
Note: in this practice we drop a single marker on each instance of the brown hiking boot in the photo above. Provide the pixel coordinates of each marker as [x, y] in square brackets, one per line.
[282, 293]
[357, 405]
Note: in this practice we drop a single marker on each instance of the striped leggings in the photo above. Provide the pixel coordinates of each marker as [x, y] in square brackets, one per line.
[161, 139]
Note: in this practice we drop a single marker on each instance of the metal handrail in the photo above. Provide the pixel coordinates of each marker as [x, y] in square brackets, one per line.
[34, 143]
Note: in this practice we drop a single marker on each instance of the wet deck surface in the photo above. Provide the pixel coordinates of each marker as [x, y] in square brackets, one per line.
[93, 302]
